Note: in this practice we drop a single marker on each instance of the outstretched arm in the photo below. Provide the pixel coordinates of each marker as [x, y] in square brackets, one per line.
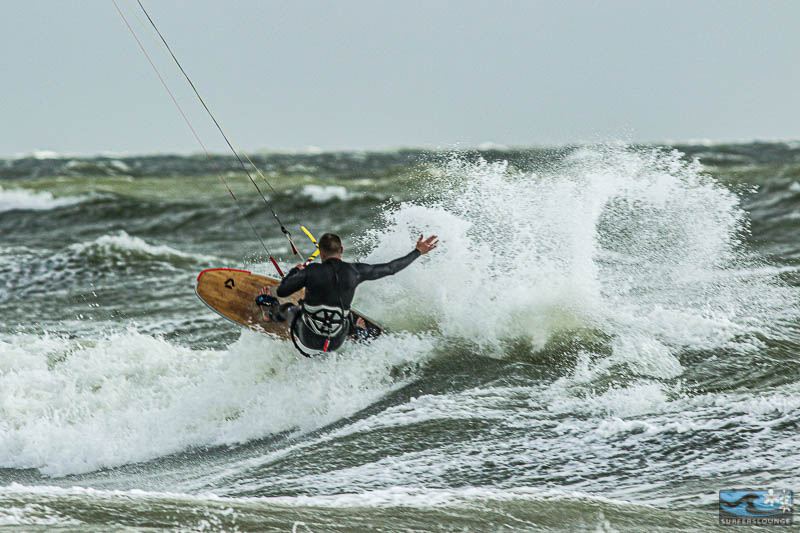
[370, 272]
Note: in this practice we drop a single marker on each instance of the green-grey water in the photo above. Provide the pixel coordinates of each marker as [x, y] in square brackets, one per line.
[606, 337]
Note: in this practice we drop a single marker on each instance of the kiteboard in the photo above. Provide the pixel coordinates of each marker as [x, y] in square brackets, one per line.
[232, 294]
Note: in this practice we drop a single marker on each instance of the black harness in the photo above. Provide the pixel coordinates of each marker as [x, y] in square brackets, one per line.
[324, 321]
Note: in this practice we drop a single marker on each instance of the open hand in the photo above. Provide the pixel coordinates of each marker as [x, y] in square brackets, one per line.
[425, 246]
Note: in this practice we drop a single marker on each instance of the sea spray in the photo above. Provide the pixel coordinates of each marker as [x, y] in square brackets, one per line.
[639, 243]
[636, 254]
[68, 407]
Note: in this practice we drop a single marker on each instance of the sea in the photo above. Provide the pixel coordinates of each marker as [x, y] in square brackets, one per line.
[605, 339]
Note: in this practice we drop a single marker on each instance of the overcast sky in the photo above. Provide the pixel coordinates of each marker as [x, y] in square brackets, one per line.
[374, 74]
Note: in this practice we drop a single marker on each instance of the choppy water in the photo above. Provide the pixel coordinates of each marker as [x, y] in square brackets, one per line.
[606, 337]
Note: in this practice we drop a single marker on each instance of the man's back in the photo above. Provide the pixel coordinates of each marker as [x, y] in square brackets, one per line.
[324, 321]
[333, 282]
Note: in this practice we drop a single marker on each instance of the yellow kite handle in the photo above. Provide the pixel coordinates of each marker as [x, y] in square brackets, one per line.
[316, 253]
[308, 234]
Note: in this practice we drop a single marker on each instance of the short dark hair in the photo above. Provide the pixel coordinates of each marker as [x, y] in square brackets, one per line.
[330, 244]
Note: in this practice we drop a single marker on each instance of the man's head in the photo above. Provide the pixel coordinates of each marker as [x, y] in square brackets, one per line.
[330, 245]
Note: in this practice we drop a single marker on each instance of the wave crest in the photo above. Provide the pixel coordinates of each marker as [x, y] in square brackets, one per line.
[640, 244]
[23, 199]
[121, 246]
[70, 407]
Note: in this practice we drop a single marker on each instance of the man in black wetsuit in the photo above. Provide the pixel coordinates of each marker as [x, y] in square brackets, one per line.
[323, 321]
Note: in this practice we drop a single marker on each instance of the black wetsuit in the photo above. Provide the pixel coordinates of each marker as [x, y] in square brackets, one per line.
[331, 284]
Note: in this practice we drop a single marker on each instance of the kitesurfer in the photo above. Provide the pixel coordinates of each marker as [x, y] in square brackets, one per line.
[323, 321]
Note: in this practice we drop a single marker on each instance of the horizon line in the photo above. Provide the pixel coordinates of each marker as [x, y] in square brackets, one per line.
[315, 150]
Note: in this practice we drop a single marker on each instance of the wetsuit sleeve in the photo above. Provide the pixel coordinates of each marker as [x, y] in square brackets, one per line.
[370, 272]
[294, 280]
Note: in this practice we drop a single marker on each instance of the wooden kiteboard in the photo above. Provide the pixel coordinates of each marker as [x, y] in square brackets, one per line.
[232, 294]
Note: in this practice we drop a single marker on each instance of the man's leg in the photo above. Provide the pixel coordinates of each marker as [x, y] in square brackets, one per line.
[286, 312]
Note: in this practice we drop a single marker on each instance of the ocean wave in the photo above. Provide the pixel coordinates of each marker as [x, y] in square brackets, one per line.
[23, 199]
[491, 145]
[533, 444]
[637, 243]
[419, 498]
[470, 508]
[121, 246]
[76, 406]
[322, 194]
[28, 270]
[100, 167]
[40, 154]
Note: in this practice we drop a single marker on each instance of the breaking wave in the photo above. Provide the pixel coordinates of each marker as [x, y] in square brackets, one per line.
[641, 245]
[22, 199]
[120, 247]
[72, 406]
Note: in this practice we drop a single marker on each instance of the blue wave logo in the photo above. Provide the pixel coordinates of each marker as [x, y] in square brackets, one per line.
[755, 507]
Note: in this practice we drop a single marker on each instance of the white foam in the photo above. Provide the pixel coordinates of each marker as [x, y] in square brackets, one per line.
[326, 193]
[637, 243]
[491, 145]
[123, 243]
[72, 406]
[23, 199]
[464, 497]
[477, 404]
[40, 154]
[632, 400]
[33, 514]
[119, 165]
[643, 408]
[640, 245]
